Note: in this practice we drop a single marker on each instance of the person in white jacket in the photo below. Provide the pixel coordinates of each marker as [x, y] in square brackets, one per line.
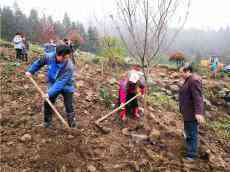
[18, 45]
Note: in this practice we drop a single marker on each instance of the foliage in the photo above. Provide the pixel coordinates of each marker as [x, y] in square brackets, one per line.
[106, 96]
[177, 57]
[113, 49]
[41, 29]
[221, 126]
[75, 37]
[162, 101]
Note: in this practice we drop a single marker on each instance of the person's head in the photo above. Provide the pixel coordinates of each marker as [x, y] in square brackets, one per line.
[18, 33]
[133, 77]
[66, 41]
[186, 70]
[51, 41]
[63, 53]
[136, 67]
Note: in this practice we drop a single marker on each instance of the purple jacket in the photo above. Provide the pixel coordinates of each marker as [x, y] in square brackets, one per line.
[191, 98]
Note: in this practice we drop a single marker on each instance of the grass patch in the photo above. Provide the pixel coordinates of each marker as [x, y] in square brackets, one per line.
[162, 101]
[221, 126]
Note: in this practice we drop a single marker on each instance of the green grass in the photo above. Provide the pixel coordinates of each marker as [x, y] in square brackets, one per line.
[6, 44]
[221, 127]
[162, 101]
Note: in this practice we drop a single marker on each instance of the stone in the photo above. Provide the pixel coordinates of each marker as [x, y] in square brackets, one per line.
[26, 138]
[154, 135]
[207, 103]
[91, 168]
[70, 136]
[174, 88]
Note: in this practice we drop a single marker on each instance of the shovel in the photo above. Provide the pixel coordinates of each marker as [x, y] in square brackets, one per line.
[48, 101]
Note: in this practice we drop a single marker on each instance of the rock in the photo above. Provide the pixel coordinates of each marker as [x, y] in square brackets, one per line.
[174, 88]
[26, 138]
[70, 136]
[154, 135]
[174, 75]
[169, 93]
[10, 143]
[207, 103]
[91, 168]
[139, 137]
[176, 97]
[125, 131]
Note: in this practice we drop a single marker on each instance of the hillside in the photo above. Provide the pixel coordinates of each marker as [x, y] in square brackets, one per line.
[155, 143]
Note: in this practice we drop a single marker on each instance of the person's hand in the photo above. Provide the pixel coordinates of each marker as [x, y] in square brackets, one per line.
[200, 118]
[123, 106]
[77, 94]
[28, 74]
[45, 96]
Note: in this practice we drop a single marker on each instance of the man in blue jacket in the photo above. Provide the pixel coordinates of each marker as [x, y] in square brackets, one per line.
[60, 81]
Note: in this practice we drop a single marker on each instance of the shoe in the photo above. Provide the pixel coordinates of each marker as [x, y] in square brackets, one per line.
[189, 159]
[72, 123]
[47, 125]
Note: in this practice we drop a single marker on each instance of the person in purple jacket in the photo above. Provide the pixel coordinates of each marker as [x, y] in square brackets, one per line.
[192, 108]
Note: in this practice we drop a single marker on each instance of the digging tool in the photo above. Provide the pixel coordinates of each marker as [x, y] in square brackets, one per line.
[51, 105]
[115, 110]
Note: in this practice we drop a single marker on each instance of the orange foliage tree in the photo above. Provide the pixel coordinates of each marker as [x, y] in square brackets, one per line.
[75, 37]
[177, 57]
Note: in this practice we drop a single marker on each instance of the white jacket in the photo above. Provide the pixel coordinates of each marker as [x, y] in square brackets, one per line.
[18, 42]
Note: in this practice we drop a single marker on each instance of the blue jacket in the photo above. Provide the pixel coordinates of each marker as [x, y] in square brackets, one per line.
[60, 75]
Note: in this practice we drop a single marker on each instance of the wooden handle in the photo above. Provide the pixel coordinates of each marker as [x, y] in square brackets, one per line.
[115, 110]
[51, 105]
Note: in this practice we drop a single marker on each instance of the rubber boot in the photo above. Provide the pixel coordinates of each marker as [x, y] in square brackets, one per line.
[71, 120]
[136, 112]
[123, 115]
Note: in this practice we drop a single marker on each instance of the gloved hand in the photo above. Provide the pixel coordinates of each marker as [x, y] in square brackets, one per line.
[123, 106]
[28, 74]
[45, 96]
[200, 119]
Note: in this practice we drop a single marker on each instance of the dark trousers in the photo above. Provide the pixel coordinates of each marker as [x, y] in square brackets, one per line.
[191, 131]
[68, 102]
[18, 54]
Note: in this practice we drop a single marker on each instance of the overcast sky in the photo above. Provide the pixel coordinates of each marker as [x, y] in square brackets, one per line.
[204, 14]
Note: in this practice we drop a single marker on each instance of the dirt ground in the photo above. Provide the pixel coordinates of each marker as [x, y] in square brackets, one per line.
[26, 146]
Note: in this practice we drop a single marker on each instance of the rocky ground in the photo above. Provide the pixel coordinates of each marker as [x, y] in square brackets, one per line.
[154, 143]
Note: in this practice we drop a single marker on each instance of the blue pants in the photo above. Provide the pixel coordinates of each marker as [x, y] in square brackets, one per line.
[191, 131]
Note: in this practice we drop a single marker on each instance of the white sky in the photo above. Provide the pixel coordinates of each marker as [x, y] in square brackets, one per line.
[204, 14]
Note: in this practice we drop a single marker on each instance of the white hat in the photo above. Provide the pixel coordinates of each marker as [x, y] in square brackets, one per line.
[133, 76]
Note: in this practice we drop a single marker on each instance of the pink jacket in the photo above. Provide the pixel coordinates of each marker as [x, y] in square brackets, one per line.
[124, 89]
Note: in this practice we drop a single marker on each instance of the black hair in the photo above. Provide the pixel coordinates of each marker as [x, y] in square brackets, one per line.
[63, 50]
[65, 40]
[188, 68]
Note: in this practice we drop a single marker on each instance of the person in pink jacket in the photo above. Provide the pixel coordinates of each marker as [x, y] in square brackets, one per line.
[129, 87]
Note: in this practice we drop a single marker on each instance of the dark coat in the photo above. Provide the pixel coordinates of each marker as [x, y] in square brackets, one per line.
[191, 98]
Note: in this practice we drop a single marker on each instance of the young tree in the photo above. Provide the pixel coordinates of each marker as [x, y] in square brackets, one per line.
[142, 26]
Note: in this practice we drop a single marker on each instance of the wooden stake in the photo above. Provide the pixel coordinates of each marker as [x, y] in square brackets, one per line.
[48, 101]
[115, 110]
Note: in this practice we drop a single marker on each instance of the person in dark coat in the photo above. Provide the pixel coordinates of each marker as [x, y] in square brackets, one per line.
[192, 108]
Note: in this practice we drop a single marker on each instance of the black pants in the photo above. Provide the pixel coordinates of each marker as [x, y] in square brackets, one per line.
[68, 102]
[132, 105]
[18, 54]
